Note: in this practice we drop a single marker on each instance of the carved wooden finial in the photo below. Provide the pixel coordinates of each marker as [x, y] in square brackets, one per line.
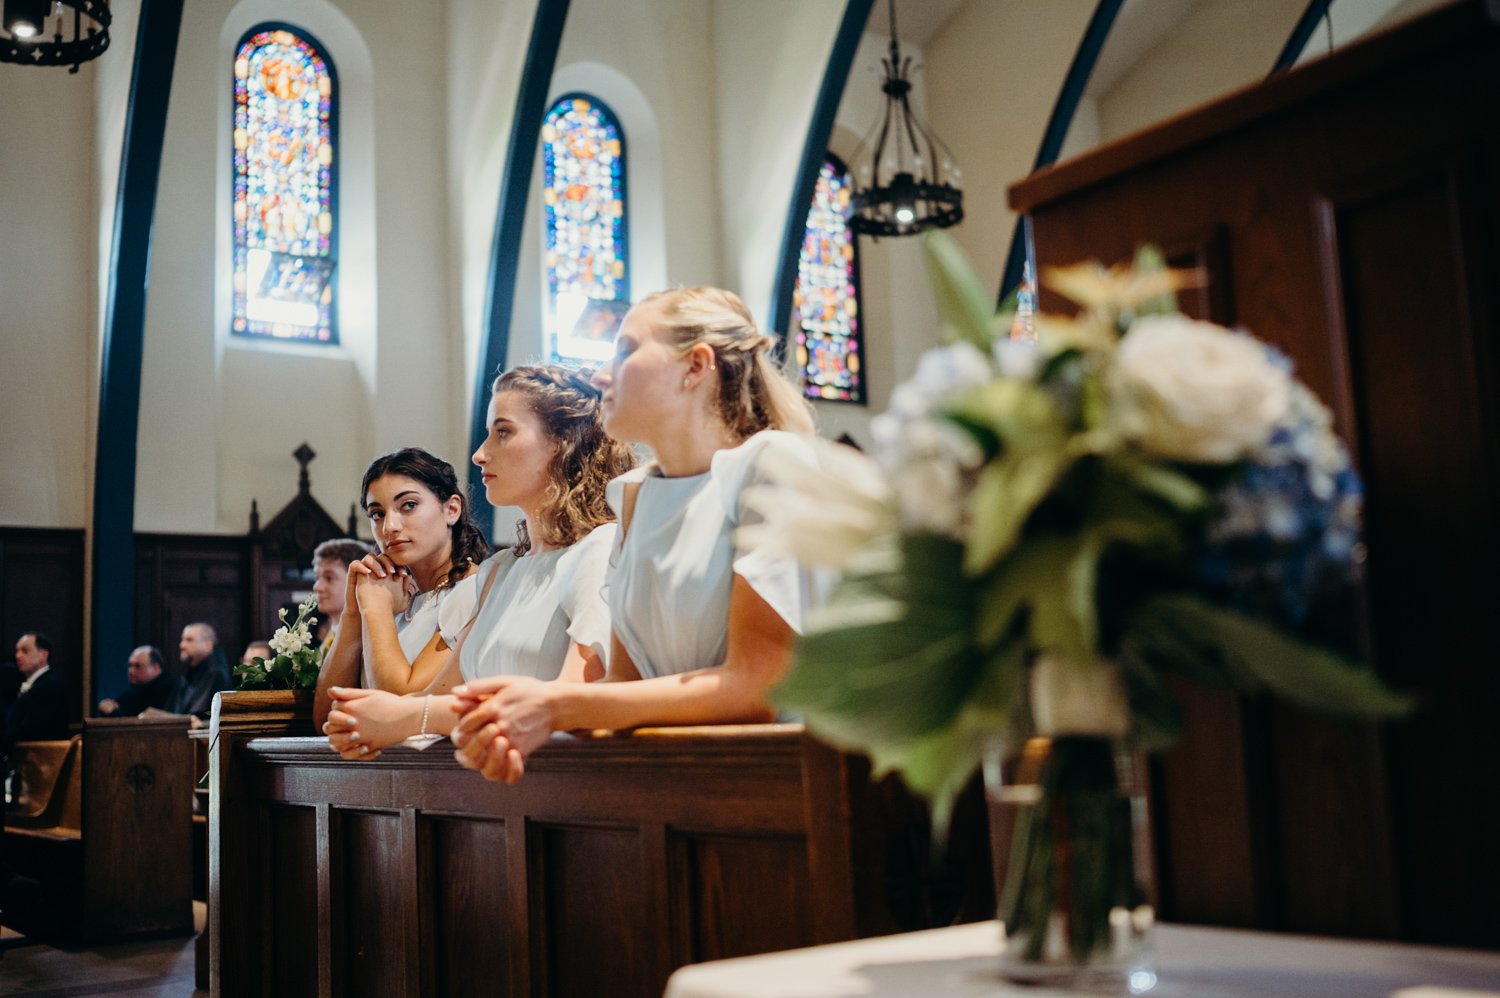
[353, 522]
[254, 517]
[304, 455]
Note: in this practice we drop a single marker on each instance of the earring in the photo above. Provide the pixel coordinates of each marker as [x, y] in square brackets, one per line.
[685, 382]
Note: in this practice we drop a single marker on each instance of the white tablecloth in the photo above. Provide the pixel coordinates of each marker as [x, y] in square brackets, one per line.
[1191, 963]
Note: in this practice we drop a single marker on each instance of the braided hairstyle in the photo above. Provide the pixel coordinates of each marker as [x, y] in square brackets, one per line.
[437, 476]
[753, 393]
[584, 460]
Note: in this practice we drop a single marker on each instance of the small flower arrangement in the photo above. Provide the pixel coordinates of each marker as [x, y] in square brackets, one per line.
[296, 664]
[1134, 494]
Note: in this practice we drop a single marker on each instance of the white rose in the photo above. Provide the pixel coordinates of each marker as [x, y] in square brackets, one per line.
[1194, 391]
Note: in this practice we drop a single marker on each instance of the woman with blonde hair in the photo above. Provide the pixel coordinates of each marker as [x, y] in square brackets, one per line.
[704, 626]
[541, 612]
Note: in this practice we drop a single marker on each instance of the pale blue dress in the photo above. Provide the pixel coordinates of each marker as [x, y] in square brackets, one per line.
[672, 574]
[537, 608]
[416, 626]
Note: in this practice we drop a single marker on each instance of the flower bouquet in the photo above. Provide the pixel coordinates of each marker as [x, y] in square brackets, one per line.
[1046, 531]
[296, 664]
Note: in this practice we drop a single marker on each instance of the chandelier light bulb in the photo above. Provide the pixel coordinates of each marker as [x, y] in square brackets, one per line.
[905, 214]
[24, 29]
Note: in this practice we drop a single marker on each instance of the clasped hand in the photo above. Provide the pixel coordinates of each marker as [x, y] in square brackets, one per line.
[362, 722]
[379, 584]
[502, 720]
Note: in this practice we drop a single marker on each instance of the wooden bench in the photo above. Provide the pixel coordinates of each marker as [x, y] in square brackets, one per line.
[101, 830]
[618, 858]
[48, 789]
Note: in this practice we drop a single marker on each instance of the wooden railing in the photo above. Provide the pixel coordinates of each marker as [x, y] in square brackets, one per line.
[617, 859]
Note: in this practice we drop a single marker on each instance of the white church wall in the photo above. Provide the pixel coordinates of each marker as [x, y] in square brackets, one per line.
[768, 61]
[47, 294]
[220, 415]
[993, 74]
[487, 46]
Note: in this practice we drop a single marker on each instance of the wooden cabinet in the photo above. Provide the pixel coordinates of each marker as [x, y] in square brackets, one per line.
[1349, 213]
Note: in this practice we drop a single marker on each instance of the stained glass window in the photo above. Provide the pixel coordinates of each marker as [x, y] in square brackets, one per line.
[583, 197]
[284, 138]
[826, 299]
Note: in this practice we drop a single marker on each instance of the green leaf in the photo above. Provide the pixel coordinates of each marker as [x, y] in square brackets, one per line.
[1008, 490]
[890, 667]
[1255, 655]
[1160, 481]
[939, 764]
[962, 299]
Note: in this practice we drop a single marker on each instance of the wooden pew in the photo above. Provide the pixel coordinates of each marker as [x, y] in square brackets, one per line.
[617, 859]
[105, 854]
[237, 718]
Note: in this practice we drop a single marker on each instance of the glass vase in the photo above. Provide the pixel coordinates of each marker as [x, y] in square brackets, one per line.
[1072, 864]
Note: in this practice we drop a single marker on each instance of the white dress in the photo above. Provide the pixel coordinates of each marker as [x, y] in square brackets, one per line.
[538, 606]
[669, 590]
[416, 627]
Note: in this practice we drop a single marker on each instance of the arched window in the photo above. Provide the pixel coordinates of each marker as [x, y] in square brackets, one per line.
[587, 256]
[285, 137]
[826, 299]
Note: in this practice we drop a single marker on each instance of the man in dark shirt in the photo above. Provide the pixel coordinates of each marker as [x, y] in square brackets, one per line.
[206, 672]
[149, 686]
[40, 712]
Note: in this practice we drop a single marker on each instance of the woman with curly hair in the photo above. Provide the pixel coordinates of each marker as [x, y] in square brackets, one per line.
[704, 617]
[541, 610]
[429, 547]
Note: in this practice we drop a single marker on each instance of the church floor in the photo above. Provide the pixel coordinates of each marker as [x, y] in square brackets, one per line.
[159, 968]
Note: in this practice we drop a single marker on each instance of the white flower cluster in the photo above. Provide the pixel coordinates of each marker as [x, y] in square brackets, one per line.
[927, 459]
[1194, 391]
[290, 640]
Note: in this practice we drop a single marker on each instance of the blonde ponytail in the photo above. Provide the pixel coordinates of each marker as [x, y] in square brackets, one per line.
[753, 393]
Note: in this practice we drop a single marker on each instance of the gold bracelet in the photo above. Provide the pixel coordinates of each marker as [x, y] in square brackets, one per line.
[426, 706]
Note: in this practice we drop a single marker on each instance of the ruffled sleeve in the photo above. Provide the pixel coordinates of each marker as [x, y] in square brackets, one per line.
[614, 492]
[779, 580]
[581, 580]
[461, 603]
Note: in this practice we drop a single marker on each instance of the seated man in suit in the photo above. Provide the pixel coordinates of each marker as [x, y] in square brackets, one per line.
[149, 686]
[40, 712]
[206, 672]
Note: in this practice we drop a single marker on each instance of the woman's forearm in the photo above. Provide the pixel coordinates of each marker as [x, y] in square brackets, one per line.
[340, 667]
[706, 696]
[388, 663]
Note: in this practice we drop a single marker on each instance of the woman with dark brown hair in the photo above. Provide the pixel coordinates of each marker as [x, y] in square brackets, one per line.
[541, 611]
[429, 547]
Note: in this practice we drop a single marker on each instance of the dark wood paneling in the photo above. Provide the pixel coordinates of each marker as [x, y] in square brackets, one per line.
[724, 920]
[293, 902]
[1372, 263]
[183, 579]
[41, 589]
[594, 939]
[373, 913]
[1420, 381]
[468, 893]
